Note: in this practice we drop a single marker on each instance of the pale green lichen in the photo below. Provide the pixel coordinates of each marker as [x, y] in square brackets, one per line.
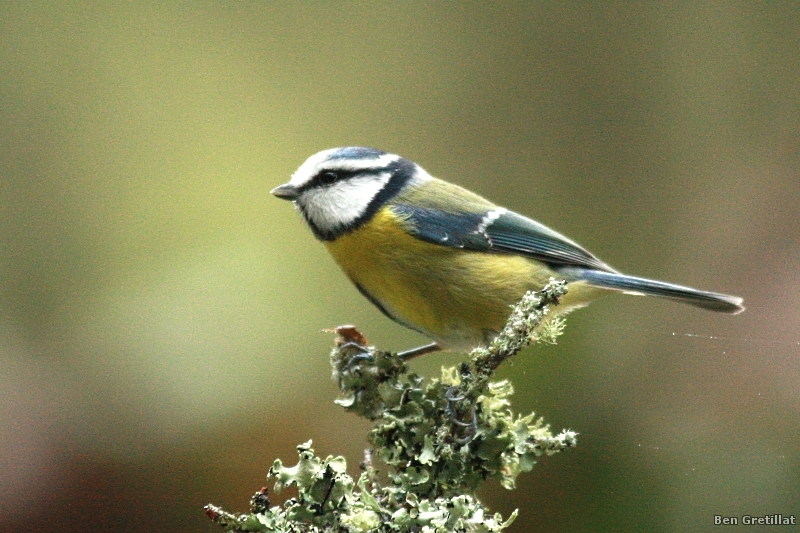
[437, 441]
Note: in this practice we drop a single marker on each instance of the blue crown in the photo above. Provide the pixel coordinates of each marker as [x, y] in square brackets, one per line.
[356, 152]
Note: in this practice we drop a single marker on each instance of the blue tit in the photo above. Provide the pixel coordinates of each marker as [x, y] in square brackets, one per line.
[442, 260]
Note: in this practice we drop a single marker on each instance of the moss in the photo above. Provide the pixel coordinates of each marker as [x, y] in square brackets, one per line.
[438, 439]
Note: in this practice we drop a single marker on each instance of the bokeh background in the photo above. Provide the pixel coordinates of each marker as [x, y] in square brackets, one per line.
[161, 313]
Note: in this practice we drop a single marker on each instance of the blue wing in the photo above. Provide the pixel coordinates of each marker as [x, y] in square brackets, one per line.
[496, 230]
[503, 231]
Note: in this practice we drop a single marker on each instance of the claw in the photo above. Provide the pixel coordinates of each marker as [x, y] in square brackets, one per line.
[451, 397]
[357, 359]
[448, 395]
[473, 425]
[354, 346]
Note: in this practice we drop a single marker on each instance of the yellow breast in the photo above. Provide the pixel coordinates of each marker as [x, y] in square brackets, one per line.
[458, 297]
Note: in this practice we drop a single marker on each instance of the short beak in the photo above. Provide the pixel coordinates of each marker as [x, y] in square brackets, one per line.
[286, 192]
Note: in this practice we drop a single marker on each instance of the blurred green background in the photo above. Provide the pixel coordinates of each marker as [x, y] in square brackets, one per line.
[160, 312]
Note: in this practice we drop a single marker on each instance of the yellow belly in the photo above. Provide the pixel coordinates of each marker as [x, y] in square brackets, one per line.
[459, 298]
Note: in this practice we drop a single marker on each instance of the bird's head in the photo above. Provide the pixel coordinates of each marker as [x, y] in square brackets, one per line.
[338, 190]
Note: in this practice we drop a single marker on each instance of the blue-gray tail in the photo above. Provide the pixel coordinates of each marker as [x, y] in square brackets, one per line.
[714, 301]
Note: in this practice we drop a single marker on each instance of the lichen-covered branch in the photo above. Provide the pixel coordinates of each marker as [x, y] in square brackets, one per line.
[528, 322]
[437, 441]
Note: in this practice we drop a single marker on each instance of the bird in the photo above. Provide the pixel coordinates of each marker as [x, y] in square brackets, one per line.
[442, 260]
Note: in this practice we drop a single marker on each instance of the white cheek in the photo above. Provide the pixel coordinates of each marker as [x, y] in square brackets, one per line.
[331, 208]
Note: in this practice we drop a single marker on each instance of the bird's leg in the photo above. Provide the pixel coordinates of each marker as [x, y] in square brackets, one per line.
[421, 350]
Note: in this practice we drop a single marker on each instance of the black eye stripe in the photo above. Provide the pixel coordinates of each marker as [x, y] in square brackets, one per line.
[328, 177]
[325, 178]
